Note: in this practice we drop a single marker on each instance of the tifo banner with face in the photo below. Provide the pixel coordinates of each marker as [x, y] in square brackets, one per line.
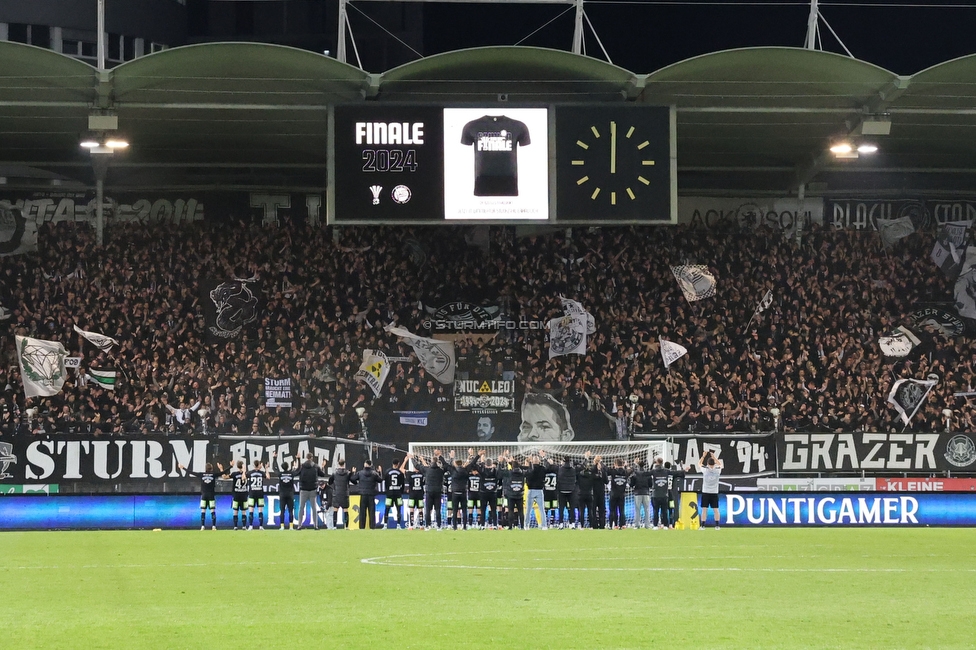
[877, 452]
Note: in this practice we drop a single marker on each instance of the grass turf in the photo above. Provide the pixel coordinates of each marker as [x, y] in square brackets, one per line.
[877, 588]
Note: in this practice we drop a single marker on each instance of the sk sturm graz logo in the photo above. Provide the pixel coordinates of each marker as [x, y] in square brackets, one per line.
[42, 365]
[939, 320]
[236, 306]
[564, 337]
[6, 459]
[960, 451]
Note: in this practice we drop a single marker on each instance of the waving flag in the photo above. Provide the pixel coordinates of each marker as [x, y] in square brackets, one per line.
[100, 341]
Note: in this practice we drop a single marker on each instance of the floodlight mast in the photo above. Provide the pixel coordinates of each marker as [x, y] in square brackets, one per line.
[345, 29]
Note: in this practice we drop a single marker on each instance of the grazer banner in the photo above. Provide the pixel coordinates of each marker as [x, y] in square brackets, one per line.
[847, 509]
[926, 214]
[484, 396]
[157, 458]
[878, 452]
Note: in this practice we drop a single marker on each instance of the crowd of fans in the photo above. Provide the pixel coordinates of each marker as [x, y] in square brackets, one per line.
[327, 294]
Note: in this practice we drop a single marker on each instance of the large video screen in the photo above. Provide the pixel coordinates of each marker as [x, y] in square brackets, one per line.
[404, 163]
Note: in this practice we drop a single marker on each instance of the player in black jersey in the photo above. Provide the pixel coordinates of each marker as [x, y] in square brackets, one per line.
[447, 495]
[255, 496]
[395, 482]
[488, 496]
[549, 493]
[619, 477]
[415, 495]
[287, 477]
[208, 496]
[240, 493]
[515, 494]
[474, 490]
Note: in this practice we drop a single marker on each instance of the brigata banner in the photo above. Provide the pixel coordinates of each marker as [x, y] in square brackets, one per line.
[901, 452]
[484, 395]
[846, 509]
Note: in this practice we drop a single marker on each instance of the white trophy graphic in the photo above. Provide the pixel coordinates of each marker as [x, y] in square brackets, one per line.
[376, 189]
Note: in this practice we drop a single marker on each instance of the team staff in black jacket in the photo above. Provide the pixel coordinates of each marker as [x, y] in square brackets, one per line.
[340, 492]
[618, 488]
[535, 480]
[640, 480]
[488, 496]
[514, 490]
[434, 481]
[600, 479]
[459, 488]
[368, 480]
[586, 477]
[566, 487]
[308, 477]
[660, 482]
[287, 476]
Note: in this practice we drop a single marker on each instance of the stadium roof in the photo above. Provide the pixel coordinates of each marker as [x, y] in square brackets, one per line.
[245, 115]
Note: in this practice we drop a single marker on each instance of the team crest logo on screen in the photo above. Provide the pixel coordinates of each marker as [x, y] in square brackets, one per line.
[961, 451]
[375, 191]
[401, 194]
[6, 459]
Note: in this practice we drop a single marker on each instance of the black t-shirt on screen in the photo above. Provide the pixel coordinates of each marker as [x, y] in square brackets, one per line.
[496, 140]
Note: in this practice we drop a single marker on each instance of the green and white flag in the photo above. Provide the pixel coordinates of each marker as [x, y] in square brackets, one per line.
[41, 366]
[100, 341]
[104, 378]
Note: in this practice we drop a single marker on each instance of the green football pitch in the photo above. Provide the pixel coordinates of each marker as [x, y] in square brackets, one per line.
[745, 588]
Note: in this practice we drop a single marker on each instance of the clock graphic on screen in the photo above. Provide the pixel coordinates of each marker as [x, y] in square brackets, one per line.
[613, 162]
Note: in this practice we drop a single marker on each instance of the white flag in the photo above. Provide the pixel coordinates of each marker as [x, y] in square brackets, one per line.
[899, 343]
[695, 280]
[41, 366]
[100, 341]
[766, 302]
[891, 230]
[907, 395]
[965, 289]
[572, 307]
[567, 335]
[436, 357]
[373, 370]
[946, 252]
[671, 352]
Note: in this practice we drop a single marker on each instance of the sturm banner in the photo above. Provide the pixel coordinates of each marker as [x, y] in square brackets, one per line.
[874, 452]
[96, 460]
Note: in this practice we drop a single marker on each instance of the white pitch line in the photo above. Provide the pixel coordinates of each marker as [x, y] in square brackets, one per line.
[378, 561]
[151, 566]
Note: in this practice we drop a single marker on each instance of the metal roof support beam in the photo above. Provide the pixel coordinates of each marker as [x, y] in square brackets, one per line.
[345, 27]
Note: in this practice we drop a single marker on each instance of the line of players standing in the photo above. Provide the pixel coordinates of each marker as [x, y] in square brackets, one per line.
[479, 492]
